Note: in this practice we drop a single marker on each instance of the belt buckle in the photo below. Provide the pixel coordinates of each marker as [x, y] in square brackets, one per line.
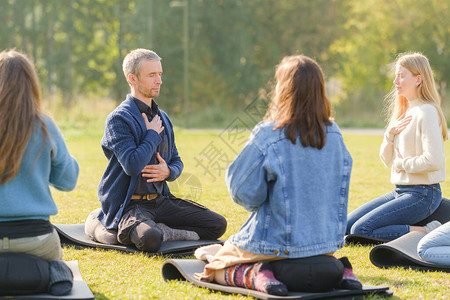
[150, 196]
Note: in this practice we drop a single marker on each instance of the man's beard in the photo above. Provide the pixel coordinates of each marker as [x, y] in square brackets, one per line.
[148, 93]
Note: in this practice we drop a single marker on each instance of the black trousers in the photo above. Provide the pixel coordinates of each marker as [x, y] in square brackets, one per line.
[137, 225]
[311, 274]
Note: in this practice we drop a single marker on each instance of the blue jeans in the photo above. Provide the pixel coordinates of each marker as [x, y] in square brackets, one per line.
[389, 216]
[435, 246]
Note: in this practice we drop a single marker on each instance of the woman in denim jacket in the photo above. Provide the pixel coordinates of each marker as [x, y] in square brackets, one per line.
[293, 176]
[413, 148]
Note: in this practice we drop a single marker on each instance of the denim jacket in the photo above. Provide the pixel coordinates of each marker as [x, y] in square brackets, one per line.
[297, 195]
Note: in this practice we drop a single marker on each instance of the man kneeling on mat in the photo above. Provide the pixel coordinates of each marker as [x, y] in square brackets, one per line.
[293, 175]
[136, 204]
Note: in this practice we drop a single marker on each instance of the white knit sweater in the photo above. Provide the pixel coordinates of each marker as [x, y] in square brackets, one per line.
[421, 147]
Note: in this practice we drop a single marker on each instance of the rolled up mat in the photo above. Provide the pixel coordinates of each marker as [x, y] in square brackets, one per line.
[184, 269]
[402, 252]
[80, 290]
[441, 214]
[74, 235]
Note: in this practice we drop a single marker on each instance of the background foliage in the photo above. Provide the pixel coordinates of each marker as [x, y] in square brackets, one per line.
[233, 46]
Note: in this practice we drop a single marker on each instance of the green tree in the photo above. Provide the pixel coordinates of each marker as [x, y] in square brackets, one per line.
[376, 31]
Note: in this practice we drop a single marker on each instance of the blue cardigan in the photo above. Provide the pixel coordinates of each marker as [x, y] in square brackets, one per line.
[129, 146]
[27, 195]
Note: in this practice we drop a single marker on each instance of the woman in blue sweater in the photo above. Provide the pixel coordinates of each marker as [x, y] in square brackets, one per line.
[293, 176]
[33, 155]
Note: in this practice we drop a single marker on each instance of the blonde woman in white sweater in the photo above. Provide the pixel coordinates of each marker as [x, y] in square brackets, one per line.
[413, 147]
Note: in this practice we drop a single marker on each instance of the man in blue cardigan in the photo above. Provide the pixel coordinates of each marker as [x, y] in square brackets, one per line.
[139, 144]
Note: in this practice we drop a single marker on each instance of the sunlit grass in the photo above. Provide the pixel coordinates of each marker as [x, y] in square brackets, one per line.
[115, 275]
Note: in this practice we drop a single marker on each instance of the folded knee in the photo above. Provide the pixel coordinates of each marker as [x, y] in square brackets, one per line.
[360, 229]
[217, 228]
[148, 240]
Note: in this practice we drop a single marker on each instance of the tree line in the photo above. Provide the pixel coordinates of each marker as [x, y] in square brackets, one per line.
[225, 51]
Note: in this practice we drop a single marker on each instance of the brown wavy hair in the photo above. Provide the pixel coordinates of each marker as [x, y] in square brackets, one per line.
[20, 99]
[299, 102]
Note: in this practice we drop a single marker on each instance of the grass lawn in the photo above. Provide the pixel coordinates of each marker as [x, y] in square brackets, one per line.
[115, 275]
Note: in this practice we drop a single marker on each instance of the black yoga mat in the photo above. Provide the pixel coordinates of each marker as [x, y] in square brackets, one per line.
[441, 214]
[402, 252]
[74, 235]
[80, 290]
[363, 240]
[184, 269]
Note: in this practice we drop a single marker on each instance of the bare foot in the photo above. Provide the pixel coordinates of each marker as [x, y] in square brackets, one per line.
[417, 228]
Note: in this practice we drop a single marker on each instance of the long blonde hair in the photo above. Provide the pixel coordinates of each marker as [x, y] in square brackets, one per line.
[417, 64]
[300, 103]
[20, 99]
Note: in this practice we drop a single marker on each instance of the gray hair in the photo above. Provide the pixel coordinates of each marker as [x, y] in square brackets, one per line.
[131, 62]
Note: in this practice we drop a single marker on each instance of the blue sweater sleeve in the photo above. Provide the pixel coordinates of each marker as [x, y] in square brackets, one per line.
[175, 165]
[64, 167]
[122, 137]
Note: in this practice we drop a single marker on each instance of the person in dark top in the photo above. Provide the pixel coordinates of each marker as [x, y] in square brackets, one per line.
[137, 206]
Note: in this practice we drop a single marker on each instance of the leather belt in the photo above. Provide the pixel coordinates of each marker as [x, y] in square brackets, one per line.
[144, 197]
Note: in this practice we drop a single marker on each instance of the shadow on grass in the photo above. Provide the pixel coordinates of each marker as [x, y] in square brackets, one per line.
[384, 281]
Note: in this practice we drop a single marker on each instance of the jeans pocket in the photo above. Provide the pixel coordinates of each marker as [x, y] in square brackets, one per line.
[419, 192]
[436, 199]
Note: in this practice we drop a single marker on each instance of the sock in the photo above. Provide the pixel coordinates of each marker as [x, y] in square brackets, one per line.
[432, 225]
[171, 234]
[349, 280]
[256, 276]
[61, 278]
